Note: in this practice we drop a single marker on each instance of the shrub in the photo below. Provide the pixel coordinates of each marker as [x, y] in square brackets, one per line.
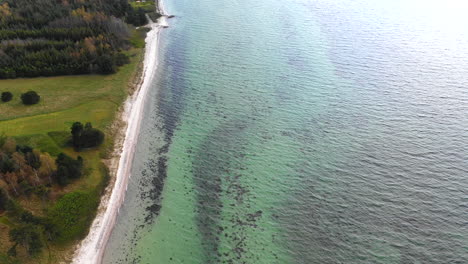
[73, 213]
[7, 96]
[30, 98]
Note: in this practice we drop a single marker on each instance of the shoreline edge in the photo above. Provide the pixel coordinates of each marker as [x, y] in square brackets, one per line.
[91, 249]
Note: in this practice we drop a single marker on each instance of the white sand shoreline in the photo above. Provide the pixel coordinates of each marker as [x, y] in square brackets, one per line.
[91, 249]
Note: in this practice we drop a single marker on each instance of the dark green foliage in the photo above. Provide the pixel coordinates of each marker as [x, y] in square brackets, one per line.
[51, 231]
[68, 168]
[137, 18]
[48, 37]
[12, 251]
[30, 98]
[87, 136]
[7, 96]
[76, 131]
[73, 213]
[42, 191]
[6, 164]
[3, 139]
[106, 64]
[14, 209]
[24, 149]
[121, 59]
[33, 159]
[26, 188]
[43, 224]
[28, 236]
[3, 200]
[28, 218]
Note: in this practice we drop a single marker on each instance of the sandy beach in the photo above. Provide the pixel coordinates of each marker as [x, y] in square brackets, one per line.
[91, 249]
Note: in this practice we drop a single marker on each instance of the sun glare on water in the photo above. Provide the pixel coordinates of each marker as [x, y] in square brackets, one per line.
[449, 16]
[444, 9]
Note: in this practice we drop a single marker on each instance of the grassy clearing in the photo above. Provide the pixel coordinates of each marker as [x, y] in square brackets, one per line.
[66, 92]
[148, 6]
[46, 126]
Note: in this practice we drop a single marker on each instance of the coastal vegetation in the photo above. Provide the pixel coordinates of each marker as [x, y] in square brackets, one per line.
[48, 38]
[27, 172]
[57, 131]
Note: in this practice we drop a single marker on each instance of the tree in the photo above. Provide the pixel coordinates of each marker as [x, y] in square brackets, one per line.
[28, 236]
[33, 159]
[91, 137]
[24, 149]
[106, 64]
[30, 98]
[3, 200]
[68, 168]
[87, 136]
[6, 164]
[7, 96]
[76, 130]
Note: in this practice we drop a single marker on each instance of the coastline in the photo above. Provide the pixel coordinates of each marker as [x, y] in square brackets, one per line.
[91, 249]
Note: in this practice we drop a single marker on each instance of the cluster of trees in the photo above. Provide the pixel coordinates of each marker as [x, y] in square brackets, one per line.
[50, 37]
[86, 136]
[68, 168]
[29, 231]
[26, 171]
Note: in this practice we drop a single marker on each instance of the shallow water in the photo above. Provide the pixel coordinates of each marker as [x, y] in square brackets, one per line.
[303, 131]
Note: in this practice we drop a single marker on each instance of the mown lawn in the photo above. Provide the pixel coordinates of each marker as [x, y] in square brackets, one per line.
[46, 126]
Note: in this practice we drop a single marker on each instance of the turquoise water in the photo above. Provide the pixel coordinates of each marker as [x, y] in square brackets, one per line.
[302, 131]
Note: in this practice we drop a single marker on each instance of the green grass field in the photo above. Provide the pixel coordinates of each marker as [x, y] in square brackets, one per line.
[46, 126]
[148, 6]
[64, 100]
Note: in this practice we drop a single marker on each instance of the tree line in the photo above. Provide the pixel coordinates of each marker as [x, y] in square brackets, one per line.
[49, 37]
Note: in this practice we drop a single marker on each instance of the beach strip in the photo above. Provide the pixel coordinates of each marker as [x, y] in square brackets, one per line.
[91, 249]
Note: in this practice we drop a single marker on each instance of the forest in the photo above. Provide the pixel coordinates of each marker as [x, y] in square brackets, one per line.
[65, 37]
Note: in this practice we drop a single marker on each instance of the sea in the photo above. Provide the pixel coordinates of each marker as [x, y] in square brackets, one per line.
[303, 131]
